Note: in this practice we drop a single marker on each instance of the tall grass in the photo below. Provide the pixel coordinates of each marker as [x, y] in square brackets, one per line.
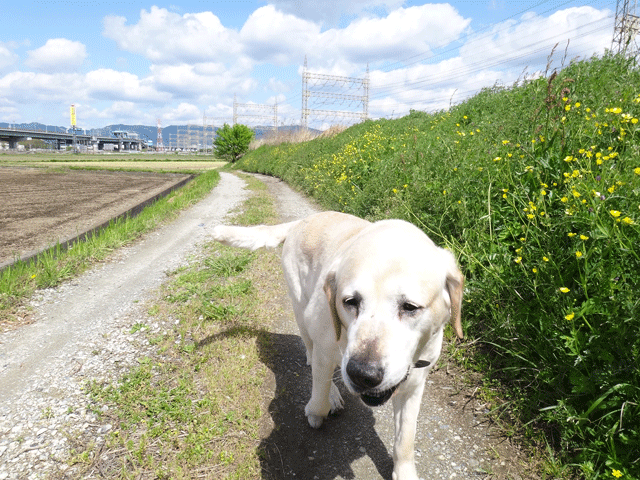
[536, 188]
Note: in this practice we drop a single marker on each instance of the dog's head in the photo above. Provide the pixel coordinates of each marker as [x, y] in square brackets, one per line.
[393, 290]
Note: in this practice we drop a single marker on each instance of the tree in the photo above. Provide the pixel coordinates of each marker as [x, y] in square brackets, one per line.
[233, 142]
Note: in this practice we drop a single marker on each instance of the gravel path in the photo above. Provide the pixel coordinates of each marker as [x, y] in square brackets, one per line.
[83, 330]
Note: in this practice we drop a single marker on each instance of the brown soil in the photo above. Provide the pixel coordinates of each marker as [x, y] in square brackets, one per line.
[40, 207]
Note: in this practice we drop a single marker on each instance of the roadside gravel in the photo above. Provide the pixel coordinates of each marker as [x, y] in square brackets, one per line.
[95, 327]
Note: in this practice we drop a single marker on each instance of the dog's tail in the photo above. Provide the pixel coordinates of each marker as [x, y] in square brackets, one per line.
[252, 238]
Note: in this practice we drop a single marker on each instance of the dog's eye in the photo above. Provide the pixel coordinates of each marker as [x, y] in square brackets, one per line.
[352, 302]
[409, 307]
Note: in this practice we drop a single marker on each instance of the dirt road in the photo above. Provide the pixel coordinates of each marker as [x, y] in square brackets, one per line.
[83, 331]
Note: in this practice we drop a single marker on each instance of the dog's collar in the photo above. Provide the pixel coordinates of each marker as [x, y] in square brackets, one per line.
[422, 364]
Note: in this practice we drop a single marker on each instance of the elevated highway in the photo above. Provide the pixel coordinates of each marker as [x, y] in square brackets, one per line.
[62, 140]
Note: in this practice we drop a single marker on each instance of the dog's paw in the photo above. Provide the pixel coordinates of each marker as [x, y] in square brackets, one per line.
[337, 403]
[315, 420]
[406, 471]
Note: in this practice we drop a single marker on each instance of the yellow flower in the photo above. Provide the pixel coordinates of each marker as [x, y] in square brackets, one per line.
[564, 199]
[584, 237]
[615, 213]
[578, 254]
[627, 220]
[564, 290]
[616, 473]
[571, 234]
[534, 270]
[545, 259]
[518, 259]
[636, 170]
[570, 316]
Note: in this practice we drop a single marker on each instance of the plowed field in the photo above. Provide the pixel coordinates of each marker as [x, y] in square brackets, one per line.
[39, 207]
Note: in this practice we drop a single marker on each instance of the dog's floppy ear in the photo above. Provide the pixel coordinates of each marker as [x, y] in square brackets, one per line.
[455, 287]
[330, 290]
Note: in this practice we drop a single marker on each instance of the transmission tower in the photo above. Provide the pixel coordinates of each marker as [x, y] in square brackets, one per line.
[159, 145]
[625, 28]
[325, 90]
[253, 112]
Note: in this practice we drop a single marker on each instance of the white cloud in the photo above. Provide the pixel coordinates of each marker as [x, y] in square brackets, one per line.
[330, 11]
[276, 37]
[402, 33]
[281, 38]
[7, 57]
[168, 38]
[201, 82]
[31, 87]
[183, 113]
[110, 84]
[530, 40]
[57, 55]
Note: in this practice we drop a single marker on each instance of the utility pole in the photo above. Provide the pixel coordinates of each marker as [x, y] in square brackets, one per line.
[625, 28]
[254, 112]
[159, 144]
[73, 126]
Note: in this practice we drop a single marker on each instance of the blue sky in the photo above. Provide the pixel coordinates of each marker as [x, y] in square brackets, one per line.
[133, 62]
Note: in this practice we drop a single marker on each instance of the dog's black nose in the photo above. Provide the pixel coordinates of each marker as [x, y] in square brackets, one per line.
[364, 375]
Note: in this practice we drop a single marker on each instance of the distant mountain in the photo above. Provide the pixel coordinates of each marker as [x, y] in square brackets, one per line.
[144, 132]
[33, 126]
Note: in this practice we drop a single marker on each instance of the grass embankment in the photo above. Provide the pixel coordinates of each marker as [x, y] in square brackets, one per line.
[536, 188]
[19, 281]
[194, 409]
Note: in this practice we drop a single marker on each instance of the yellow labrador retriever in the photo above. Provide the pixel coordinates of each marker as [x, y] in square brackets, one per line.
[373, 296]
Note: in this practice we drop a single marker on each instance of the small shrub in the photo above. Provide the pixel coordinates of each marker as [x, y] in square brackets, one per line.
[232, 142]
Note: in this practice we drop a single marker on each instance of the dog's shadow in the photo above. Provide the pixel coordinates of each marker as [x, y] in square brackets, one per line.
[295, 450]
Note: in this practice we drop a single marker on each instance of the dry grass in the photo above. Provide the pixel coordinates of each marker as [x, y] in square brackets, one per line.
[295, 136]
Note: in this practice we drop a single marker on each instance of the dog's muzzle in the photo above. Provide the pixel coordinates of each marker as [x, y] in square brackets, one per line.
[366, 377]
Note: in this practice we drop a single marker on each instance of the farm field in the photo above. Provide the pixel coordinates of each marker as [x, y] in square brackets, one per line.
[166, 166]
[43, 206]
[166, 163]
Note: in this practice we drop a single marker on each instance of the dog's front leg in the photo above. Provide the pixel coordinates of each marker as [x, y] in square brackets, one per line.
[323, 391]
[406, 406]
